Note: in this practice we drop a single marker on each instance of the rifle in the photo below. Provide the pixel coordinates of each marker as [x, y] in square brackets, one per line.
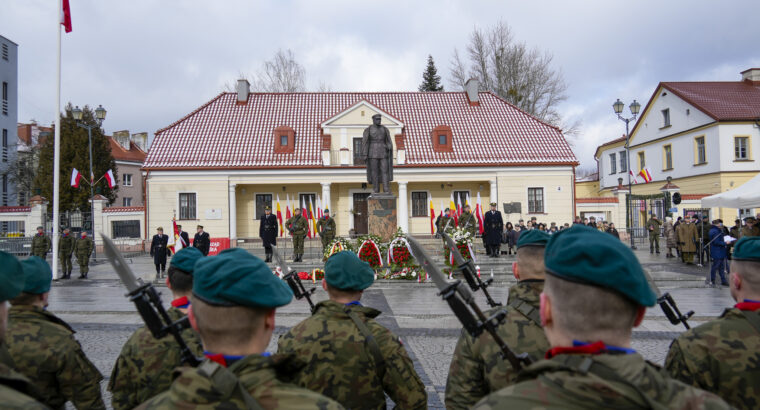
[148, 302]
[299, 291]
[668, 305]
[467, 269]
[462, 301]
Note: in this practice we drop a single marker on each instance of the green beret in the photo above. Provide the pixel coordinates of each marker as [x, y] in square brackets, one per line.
[11, 277]
[747, 249]
[344, 270]
[533, 237]
[585, 255]
[236, 278]
[37, 275]
[185, 259]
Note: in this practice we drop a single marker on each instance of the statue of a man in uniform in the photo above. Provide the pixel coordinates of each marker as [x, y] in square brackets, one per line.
[377, 150]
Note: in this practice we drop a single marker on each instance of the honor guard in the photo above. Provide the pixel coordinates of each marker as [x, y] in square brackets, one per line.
[477, 367]
[40, 243]
[268, 227]
[233, 306]
[468, 222]
[83, 249]
[65, 249]
[492, 228]
[202, 241]
[158, 250]
[595, 293]
[144, 366]
[350, 357]
[326, 229]
[721, 356]
[297, 226]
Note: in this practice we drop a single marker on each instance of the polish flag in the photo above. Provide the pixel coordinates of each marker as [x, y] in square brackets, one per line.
[646, 175]
[453, 209]
[110, 179]
[75, 177]
[288, 215]
[305, 214]
[633, 177]
[432, 217]
[66, 16]
[279, 214]
[479, 214]
[175, 240]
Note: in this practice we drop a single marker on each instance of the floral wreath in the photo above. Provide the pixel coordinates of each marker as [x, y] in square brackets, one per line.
[369, 252]
[337, 245]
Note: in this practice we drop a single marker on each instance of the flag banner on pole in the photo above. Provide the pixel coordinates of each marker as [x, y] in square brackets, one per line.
[174, 239]
[479, 214]
[110, 178]
[288, 215]
[66, 16]
[633, 177]
[305, 214]
[432, 217]
[313, 220]
[440, 212]
[75, 177]
[453, 209]
[646, 175]
[279, 214]
[319, 207]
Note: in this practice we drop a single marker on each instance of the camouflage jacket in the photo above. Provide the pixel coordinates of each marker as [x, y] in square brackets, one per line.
[619, 381]
[44, 350]
[747, 231]
[477, 368]
[144, 366]
[443, 221]
[40, 243]
[467, 219]
[653, 227]
[297, 225]
[261, 376]
[326, 227]
[83, 247]
[66, 245]
[16, 390]
[341, 365]
[722, 357]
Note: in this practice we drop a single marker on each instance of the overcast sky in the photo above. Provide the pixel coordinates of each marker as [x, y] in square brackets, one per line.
[150, 62]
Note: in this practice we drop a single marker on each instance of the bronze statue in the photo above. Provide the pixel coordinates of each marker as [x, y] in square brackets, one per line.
[377, 150]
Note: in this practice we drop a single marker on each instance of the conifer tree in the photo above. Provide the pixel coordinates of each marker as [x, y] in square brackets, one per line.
[431, 81]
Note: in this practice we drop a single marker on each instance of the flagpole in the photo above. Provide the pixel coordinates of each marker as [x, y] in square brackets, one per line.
[57, 144]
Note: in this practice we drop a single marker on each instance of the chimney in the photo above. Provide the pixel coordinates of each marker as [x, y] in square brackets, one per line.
[122, 137]
[141, 140]
[243, 88]
[471, 87]
[752, 75]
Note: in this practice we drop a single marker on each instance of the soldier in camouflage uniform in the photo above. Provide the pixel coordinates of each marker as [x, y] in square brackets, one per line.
[83, 248]
[233, 307]
[750, 227]
[65, 249]
[722, 356]
[297, 226]
[40, 243]
[350, 357]
[595, 293]
[477, 367]
[653, 227]
[326, 229]
[43, 346]
[144, 367]
[16, 391]
[468, 222]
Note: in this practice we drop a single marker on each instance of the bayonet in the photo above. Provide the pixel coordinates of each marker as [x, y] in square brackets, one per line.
[467, 268]
[668, 304]
[293, 280]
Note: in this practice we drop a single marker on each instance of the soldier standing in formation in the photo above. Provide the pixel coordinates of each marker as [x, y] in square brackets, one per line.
[268, 232]
[233, 309]
[326, 229]
[65, 249]
[40, 243]
[350, 357]
[594, 295]
[493, 225]
[158, 249]
[43, 346]
[297, 226]
[721, 356]
[202, 240]
[477, 367]
[445, 223]
[16, 391]
[144, 366]
[83, 249]
[468, 222]
[653, 227]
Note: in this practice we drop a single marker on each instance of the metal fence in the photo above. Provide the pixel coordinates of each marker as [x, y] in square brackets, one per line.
[76, 221]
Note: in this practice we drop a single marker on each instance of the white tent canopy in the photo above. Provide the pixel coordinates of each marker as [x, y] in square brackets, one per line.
[745, 196]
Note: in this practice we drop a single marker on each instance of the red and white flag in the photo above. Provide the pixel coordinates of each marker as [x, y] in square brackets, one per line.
[432, 218]
[66, 15]
[75, 177]
[110, 179]
[633, 176]
[646, 175]
[479, 214]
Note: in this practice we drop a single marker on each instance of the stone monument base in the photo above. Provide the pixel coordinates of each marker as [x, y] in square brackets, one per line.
[381, 210]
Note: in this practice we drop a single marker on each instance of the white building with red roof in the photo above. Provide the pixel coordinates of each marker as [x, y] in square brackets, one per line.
[220, 165]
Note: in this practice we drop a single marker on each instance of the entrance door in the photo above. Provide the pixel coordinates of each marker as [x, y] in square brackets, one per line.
[360, 213]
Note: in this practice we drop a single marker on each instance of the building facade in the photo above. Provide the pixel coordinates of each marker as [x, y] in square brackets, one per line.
[220, 165]
[129, 153]
[31, 136]
[8, 117]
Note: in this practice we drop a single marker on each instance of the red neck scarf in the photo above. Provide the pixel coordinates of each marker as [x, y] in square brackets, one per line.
[181, 303]
[749, 305]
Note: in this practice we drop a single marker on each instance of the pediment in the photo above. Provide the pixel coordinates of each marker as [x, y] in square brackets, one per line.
[360, 115]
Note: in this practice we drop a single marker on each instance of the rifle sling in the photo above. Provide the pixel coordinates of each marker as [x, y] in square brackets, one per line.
[369, 339]
[228, 383]
[753, 319]
[526, 310]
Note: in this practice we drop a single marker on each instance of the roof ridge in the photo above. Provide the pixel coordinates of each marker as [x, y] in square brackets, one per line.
[160, 130]
[524, 112]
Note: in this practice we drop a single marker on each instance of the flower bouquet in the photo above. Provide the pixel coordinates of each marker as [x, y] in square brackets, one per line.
[463, 240]
[399, 257]
[338, 244]
[317, 274]
[369, 251]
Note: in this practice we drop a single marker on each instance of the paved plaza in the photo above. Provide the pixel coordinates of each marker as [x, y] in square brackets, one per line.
[104, 318]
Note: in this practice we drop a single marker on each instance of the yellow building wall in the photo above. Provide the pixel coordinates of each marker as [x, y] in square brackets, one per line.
[587, 189]
[163, 203]
[558, 194]
[247, 224]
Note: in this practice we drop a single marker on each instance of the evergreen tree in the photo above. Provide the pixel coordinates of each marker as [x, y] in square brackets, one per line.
[431, 81]
[75, 154]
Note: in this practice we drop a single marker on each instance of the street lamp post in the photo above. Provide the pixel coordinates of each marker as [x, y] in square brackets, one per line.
[635, 107]
[100, 115]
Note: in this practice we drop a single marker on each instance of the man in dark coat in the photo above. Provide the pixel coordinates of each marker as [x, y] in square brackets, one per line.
[202, 241]
[158, 251]
[268, 231]
[492, 227]
[184, 237]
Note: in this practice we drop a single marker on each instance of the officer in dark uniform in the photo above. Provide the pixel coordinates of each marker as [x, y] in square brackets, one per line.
[158, 251]
[202, 241]
[268, 231]
[493, 224]
[184, 237]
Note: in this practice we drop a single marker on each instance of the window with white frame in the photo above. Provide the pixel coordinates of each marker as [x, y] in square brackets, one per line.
[420, 203]
[699, 146]
[741, 147]
[126, 179]
[126, 201]
[613, 163]
[623, 161]
[666, 117]
[187, 207]
[535, 200]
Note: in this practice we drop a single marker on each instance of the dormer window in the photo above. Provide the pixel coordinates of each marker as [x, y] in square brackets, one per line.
[442, 139]
[284, 140]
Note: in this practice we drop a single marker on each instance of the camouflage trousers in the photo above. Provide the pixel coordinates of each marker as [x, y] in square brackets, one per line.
[65, 262]
[42, 255]
[326, 240]
[298, 243]
[84, 264]
[654, 242]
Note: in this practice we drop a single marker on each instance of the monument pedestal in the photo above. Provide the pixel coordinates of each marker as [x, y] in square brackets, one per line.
[382, 220]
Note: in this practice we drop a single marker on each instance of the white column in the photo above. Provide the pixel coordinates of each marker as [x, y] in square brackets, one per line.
[326, 197]
[403, 207]
[233, 215]
[494, 195]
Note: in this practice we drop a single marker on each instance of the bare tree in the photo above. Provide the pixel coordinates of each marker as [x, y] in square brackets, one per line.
[281, 74]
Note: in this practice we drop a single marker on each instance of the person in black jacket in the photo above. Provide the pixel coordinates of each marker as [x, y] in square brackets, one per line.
[493, 225]
[158, 248]
[268, 232]
[202, 241]
[183, 236]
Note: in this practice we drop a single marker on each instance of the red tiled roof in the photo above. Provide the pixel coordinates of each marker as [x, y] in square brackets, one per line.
[693, 197]
[723, 101]
[118, 209]
[15, 209]
[615, 141]
[599, 200]
[135, 154]
[222, 133]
